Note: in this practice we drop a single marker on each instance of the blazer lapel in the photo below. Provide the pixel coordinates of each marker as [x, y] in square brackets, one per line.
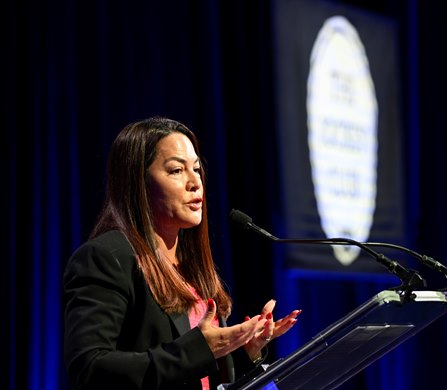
[181, 322]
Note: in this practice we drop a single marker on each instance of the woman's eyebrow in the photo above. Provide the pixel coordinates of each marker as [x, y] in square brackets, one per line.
[180, 159]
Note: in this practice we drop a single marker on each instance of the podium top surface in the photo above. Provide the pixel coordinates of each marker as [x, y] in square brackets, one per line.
[352, 343]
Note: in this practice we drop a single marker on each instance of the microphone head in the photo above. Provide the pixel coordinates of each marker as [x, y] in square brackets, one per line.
[240, 218]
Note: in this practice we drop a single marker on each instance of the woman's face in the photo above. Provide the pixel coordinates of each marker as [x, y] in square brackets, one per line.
[175, 184]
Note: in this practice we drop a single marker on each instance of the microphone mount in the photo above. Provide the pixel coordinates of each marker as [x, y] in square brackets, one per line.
[424, 259]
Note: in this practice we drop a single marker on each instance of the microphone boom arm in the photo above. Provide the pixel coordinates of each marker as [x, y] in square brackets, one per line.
[410, 279]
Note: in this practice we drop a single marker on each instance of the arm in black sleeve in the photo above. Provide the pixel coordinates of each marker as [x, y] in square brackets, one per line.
[99, 294]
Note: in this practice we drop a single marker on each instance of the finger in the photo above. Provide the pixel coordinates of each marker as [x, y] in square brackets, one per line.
[253, 326]
[294, 314]
[284, 326]
[210, 311]
[268, 307]
[241, 334]
[285, 323]
[268, 333]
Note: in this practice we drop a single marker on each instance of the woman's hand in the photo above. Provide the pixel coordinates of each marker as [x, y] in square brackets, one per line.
[271, 330]
[223, 341]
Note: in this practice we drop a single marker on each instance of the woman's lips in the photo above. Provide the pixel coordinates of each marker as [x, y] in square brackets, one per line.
[195, 204]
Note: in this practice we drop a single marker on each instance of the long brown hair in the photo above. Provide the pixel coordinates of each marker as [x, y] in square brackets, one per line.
[127, 207]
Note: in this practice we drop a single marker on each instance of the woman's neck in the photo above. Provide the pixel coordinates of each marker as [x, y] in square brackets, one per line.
[167, 247]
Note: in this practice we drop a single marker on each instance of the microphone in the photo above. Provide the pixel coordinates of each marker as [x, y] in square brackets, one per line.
[410, 278]
[246, 222]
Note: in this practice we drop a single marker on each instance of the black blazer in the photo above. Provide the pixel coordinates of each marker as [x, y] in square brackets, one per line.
[117, 337]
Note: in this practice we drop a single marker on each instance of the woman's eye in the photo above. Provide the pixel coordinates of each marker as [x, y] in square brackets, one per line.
[176, 171]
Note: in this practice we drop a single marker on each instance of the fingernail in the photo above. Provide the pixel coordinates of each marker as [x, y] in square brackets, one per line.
[247, 318]
[210, 304]
[269, 316]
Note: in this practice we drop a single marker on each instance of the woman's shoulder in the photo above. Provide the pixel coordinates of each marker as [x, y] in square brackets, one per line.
[109, 247]
[111, 239]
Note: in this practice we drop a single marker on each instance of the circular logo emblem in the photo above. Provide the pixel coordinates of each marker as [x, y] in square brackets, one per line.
[342, 135]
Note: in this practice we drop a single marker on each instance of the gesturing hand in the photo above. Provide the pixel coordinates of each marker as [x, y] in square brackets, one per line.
[223, 341]
[271, 330]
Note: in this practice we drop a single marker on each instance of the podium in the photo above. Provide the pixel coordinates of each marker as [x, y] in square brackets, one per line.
[351, 344]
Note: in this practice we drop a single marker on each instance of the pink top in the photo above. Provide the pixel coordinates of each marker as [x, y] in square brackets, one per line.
[195, 315]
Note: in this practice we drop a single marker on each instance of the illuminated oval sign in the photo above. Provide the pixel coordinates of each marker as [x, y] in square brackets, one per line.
[342, 135]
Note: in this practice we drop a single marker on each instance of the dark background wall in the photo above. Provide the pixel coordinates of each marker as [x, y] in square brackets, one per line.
[75, 72]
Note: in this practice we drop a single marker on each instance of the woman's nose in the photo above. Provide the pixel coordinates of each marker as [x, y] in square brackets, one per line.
[194, 181]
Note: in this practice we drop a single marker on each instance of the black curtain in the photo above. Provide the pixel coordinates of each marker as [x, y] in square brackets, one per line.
[75, 72]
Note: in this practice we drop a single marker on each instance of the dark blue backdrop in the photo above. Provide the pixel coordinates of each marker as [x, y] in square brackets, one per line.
[74, 73]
